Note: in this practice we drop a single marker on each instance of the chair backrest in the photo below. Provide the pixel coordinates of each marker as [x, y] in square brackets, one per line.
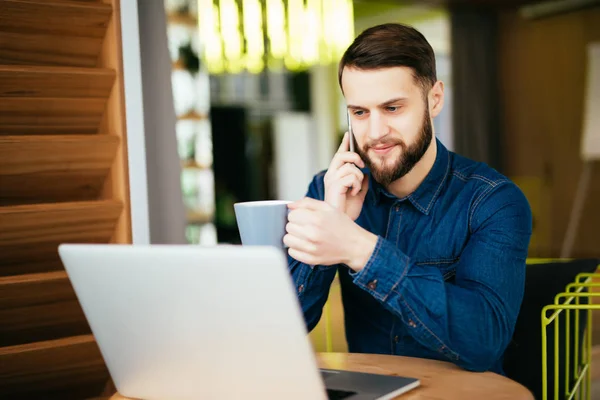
[523, 357]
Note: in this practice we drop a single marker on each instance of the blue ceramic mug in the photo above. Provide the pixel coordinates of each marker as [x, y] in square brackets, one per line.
[262, 223]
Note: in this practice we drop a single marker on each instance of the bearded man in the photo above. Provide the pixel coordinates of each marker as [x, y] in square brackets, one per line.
[430, 247]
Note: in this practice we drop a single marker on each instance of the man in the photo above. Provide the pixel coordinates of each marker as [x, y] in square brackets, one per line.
[430, 246]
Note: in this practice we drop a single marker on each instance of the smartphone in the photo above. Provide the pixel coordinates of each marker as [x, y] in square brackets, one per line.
[350, 134]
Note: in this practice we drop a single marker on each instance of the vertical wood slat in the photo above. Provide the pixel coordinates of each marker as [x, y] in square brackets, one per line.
[117, 184]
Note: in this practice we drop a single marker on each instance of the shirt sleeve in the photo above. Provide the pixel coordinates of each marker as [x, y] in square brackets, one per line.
[312, 282]
[470, 320]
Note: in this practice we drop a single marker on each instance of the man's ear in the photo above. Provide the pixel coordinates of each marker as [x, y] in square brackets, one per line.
[436, 99]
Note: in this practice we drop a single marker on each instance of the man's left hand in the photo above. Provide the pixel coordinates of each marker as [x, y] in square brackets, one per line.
[318, 234]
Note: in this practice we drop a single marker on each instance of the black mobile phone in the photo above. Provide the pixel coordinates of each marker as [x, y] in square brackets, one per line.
[350, 134]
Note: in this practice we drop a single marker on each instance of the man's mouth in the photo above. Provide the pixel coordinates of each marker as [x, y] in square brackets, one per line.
[383, 149]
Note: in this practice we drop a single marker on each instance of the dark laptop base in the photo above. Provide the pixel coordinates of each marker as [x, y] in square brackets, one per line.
[361, 386]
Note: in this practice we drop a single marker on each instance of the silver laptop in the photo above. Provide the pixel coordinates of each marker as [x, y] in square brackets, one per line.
[189, 322]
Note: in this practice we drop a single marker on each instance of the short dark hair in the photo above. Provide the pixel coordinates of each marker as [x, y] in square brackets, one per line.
[392, 45]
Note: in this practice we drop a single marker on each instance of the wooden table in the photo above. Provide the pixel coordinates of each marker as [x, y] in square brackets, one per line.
[439, 380]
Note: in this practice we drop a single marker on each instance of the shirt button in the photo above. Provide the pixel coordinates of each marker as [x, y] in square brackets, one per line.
[372, 285]
[396, 339]
[300, 288]
[397, 208]
[412, 323]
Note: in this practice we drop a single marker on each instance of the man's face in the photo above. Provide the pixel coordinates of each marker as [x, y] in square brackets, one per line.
[390, 120]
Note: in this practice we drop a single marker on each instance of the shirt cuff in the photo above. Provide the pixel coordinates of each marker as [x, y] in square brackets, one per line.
[384, 270]
[305, 273]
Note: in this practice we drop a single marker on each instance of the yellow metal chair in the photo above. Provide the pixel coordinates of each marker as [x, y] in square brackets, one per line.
[577, 366]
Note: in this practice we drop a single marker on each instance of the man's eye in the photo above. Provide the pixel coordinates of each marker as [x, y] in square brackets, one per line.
[358, 113]
[392, 109]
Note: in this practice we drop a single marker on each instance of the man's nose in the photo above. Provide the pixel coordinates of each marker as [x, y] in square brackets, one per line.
[378, 127]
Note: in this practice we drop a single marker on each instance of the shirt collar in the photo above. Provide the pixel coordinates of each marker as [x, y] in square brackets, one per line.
[424, 197]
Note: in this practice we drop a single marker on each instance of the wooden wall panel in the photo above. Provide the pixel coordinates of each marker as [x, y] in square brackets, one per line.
[63, 179]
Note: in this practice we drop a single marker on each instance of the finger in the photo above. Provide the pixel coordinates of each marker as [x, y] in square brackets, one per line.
[302, 216]
[349, 182]
[349, 169]
[309, 204]
[344, 186]
[340, 159]
[362, 188]
[345, 145]
[305, 232]
[302, 256]
[299, 244]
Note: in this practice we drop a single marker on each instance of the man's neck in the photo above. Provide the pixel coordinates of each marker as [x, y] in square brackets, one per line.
[410, 182]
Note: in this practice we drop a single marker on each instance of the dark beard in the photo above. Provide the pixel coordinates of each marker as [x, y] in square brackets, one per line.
[410, 156]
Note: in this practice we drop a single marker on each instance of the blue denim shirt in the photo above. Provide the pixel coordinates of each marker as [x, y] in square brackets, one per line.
[446, 278]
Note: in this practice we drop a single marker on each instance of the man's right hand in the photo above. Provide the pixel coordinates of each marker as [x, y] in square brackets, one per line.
[345, 184]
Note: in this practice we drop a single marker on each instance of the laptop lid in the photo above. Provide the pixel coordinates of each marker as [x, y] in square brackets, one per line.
[190, 322]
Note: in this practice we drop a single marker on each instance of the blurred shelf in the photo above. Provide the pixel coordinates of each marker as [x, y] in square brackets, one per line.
[196, 217]
[182, 19]
[191, 164]
[193, 116]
